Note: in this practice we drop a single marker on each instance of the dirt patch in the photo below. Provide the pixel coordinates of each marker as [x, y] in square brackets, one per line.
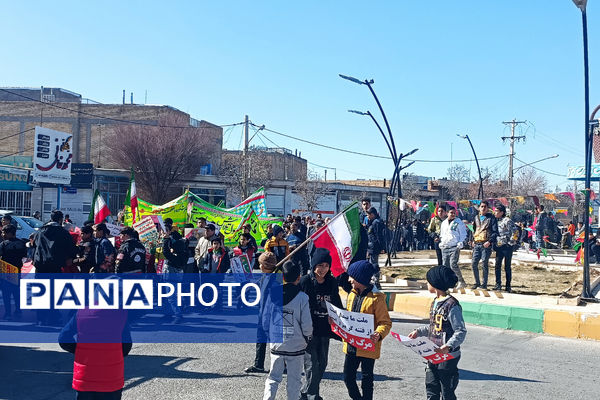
[526, 278]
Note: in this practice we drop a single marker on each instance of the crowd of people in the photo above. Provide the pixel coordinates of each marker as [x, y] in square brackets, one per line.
[308, 284]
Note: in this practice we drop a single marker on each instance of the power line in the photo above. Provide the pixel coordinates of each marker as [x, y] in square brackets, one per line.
[539, 169]
[16, 134]
[371, 155]
[103, 117]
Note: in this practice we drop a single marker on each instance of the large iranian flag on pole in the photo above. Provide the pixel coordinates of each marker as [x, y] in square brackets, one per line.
[99, 209]
[341, 236]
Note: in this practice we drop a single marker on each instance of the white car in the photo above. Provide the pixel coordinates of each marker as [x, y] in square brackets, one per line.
[25, 225]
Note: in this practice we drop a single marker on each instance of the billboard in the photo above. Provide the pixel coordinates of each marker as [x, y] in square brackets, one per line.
[52, 156]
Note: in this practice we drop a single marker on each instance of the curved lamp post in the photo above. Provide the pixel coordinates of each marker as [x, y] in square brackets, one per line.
[480, 191]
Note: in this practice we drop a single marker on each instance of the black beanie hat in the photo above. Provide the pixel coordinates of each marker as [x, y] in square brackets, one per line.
[277, 229]
[442, 278]
[362, 271]
[320, 255]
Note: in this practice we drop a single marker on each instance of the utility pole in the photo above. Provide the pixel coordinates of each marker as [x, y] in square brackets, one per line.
[245, 156]
[512, 139]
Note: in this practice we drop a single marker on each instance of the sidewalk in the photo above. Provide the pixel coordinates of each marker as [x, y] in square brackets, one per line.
[531, 313]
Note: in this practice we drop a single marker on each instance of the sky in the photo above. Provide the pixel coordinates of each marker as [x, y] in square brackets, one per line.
[440, 69]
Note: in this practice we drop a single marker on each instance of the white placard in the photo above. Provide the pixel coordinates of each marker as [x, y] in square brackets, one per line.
[423, 347]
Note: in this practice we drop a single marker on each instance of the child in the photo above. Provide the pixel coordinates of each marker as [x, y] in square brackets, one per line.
[297, 331]
[366, 299]
[267, 262]
[244, 247]
[277, 244]
[447, 330]
[321, 287]
[98, 368]
[216, 259]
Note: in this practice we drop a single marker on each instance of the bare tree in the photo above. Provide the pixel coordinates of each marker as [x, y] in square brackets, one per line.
[529, 182]
[310, 190]
[232, 170]
[459, 182]
[162, 155]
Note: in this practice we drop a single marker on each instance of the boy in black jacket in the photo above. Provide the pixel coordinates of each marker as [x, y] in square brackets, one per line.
[320, 286]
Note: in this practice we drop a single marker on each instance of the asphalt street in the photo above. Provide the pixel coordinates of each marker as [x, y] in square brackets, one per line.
[496, 364]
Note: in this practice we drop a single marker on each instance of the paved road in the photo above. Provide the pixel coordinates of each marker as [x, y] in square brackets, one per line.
[496, 365]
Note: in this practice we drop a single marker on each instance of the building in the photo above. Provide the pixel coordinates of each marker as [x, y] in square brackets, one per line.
[93, 125]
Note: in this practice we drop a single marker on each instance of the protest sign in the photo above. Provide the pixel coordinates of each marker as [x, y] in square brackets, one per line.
[12, 272]
[240, 265]
[148, 233]
[423, 347]
[355, 328]
[113, 229]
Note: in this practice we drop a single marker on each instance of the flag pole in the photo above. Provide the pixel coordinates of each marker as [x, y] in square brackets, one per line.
[303, 244]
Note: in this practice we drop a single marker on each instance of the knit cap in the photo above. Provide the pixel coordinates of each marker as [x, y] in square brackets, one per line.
[320, 255]
[268, 261]
[361, 271]
[442, 278]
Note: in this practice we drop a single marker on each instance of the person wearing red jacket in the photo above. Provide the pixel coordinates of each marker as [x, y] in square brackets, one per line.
[216, 259]
[103, 340]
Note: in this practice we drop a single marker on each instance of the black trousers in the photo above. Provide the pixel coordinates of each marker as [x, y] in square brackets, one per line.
[259, 359]
[116, 395]
[351, 364]
[438, 252]
[505, 253]
[441, 379]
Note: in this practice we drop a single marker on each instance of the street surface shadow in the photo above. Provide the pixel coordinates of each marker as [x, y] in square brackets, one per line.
[339, 376]
[480, 376]
[39, 374]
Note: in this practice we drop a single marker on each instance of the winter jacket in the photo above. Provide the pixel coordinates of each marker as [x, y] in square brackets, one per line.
[370, 301]
[452, 233]
[452, 330]
[508, 232]
[175, 250]
[200, 251]
[318, 294]
[434, 227]
[103, 339]
[541, 223]
[86, 256]
[13, 251]
[278, 246]
[486, 229]
[296, 321]
[376, 236]
[105, 253]
[220, 264]
[53, 247]
[131, 257]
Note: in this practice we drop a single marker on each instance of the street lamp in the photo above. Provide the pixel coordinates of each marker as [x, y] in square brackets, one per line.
[389, 141]
[534, 162]
[586, 292]
[480, 191]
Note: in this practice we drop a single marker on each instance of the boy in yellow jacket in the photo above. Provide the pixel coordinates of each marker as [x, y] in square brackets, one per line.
[364, 298]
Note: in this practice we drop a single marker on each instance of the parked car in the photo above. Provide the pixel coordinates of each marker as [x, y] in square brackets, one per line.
[25, 225]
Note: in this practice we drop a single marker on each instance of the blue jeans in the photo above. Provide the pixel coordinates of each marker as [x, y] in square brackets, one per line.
[483, 254]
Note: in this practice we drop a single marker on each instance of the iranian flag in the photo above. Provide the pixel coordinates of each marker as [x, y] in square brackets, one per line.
[341, 236]
[99, 208]
[131, 199]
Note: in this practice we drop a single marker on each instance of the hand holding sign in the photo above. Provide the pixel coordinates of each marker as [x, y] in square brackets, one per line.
[424, 347]
[354, 328]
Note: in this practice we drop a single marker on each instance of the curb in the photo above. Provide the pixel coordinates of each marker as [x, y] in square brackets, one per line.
[577, 325]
